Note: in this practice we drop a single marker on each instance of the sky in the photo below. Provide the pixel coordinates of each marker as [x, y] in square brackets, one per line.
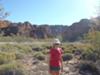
[49, 12]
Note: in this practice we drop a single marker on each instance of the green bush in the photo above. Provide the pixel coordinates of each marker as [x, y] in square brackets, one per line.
[68, 48]
[45, 52]
[16, 39]
[6, 57]
[37, 49]
[19, 55]
[23, 48]
[90, 56]
[67, 57]
[12, 69]
[88, 67]
[93, 37]
[39, 55]
[7, 48]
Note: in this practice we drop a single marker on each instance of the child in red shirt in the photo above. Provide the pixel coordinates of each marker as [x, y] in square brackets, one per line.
[55, 61]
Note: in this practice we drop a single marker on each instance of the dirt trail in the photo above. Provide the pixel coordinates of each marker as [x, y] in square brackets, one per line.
[41, 68]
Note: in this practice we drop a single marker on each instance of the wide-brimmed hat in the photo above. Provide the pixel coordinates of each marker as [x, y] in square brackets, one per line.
[56, 41]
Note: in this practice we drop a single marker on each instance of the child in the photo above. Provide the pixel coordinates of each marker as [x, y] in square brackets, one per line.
[55, 61]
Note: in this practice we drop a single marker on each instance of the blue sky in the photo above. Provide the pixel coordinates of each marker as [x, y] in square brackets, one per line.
[63, 12]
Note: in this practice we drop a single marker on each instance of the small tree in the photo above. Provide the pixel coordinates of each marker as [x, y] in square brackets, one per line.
[3, 13]
[93, 37]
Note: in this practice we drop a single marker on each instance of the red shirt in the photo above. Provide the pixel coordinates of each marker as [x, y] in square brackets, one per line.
[55, 57]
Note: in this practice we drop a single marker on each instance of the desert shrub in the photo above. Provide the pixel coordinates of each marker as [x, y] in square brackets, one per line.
[6, 57]
[45, 52]
[14, 38]
[77, 52]
[68, 48]
[23, 48]
[37, 49]
[88, 68]
[5, 39]
[46, 46]
[67, 56]
[39, 55]
[18, 49]
[19, 55]
[12, 69]
[14, 47]
[22, 39]
[89, 56]
[7, 48]
[83, 47]
[93, 37]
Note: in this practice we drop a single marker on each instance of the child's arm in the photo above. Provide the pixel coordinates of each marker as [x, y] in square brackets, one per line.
[61, 61]
[61, 64]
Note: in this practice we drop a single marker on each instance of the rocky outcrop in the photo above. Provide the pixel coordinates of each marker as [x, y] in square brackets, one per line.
[29, 30]
[77, 30]
[67, 33]
[4, 24]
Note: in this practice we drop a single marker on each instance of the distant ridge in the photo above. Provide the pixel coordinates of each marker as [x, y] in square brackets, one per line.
[68, 33]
